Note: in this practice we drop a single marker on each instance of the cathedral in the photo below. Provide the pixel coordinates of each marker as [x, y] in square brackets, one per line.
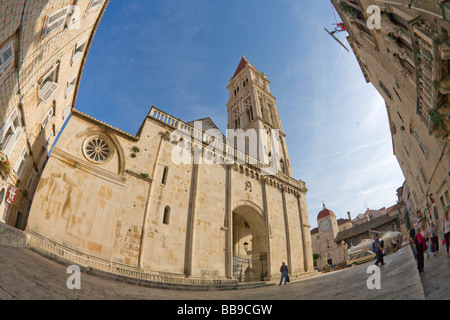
[179, 201]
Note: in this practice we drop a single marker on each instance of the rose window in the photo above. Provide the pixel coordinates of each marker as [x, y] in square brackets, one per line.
[98, 149]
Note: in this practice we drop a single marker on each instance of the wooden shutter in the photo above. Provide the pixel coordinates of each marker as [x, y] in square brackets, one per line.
[55, 20]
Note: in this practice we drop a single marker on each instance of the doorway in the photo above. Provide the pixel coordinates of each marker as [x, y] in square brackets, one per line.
[250, 245]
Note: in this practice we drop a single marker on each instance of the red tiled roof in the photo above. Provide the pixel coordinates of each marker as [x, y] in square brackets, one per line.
[324, 213]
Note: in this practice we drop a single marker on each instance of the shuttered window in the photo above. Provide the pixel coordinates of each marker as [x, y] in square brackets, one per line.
[71, 85]
[67, 110]
[79, 50]
[10, 132]
[55, 20]
[6, 57]
[47, 118]
[94, 4]
[21, 163]
[48, 85]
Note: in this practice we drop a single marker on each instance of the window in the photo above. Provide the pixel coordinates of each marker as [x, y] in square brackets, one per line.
[48, 85]
[55, 20]
[47, 118]
[166, 216]
[385, 90]
[420, 185]
[31, 179]
[67, 110]
[164, 177]
[398, 96]
[71, 85]
[98, 149]
[49, 137]
[422, 146]
[21, 163]
[94, 4]
[10, 132]
[2, 195]
[6, 57]
[406, 151]
[365, 67]
[79, 49]
[424, 178]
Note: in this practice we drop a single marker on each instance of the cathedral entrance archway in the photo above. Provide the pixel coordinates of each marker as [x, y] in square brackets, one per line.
[250, 244]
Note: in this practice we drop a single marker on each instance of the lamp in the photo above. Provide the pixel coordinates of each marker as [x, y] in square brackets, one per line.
[246, 248]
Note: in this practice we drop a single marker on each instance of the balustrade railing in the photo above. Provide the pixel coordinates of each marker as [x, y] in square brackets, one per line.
[228, 153]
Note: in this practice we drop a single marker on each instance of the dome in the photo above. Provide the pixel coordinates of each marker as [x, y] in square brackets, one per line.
[325, 213]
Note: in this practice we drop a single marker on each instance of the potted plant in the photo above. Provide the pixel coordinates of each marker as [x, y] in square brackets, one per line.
[4, 163]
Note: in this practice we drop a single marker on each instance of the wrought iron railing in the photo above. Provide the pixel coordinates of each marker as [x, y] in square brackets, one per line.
[251, 268]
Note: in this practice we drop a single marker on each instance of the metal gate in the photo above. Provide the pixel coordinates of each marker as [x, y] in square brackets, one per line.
[252, 268]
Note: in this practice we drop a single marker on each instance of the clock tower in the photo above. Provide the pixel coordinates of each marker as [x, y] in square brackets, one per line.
[251, 105]
[327, 222]
[324, 240]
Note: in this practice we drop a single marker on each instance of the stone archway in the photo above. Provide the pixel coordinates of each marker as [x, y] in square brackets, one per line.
[250, 244]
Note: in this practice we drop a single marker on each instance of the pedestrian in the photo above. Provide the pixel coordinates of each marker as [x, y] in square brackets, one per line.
[420, 248]
[446, 224]
[412, 233]
[379, 250]
[426, 238]
[284, 273]
[434, 239]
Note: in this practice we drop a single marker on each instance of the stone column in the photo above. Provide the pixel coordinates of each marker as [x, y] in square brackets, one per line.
[228, 223]
[286, 226]
[306, 237]
[266, 222]
[188, 258]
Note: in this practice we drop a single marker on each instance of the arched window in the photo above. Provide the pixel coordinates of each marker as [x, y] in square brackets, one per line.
[166, 216]
[2, 195]
[164, 176]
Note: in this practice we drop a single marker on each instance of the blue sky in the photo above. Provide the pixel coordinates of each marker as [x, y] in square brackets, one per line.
[179, 55]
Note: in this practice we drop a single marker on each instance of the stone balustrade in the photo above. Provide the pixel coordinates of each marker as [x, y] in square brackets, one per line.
[229, 154]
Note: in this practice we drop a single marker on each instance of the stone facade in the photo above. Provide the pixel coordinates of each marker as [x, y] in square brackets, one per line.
[407, 60]
[176, 200]
[43, 45]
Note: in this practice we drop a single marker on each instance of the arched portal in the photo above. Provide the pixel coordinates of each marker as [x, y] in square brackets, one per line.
[250, 244]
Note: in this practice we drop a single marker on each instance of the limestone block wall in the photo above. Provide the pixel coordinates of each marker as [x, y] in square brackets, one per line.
[406, 60]
[36, 54]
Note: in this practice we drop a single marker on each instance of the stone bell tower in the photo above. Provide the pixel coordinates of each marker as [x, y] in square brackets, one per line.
[251, 105]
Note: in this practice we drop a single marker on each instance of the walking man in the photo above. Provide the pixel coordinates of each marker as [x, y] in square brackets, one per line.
[284, 273]
[379, 251]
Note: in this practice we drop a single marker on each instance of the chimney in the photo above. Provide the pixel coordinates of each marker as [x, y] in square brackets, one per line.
[349, 216]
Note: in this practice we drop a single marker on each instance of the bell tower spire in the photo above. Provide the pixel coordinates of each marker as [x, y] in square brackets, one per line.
[251, 105]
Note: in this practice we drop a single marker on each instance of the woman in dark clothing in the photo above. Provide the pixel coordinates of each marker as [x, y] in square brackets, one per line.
[419, 243]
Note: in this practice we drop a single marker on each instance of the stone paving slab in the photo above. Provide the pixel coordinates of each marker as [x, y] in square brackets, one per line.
[26, 275]
[436, 276]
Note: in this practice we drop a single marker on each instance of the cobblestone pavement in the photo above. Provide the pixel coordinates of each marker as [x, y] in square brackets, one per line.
[436, 276]
[26, 275]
